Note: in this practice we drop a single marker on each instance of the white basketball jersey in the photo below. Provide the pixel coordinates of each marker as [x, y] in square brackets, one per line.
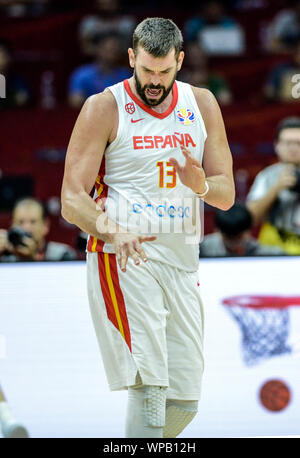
[138, 186]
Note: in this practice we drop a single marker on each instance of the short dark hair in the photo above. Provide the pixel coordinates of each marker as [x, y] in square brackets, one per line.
[287, 123]
[32, 200]
[158, 36]
[234, 221]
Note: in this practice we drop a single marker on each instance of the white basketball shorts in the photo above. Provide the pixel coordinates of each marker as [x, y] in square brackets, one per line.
[148, 320]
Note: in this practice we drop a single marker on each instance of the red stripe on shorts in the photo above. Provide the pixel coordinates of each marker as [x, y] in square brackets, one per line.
[90, 243]
[120, 298]
[110, 309]
[105, 291]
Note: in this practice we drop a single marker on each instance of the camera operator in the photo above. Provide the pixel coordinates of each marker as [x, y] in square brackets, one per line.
[26, 239]
[274, 198]
[233, 236]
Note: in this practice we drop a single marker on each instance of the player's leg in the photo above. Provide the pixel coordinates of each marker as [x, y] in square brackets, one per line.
[178, 415]
[185, 347]
[130, 321]
[146, 407]
[130, 317]
[9, 425]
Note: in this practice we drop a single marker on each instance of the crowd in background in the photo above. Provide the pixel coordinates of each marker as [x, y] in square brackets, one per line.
[213, 33]
[104, 34]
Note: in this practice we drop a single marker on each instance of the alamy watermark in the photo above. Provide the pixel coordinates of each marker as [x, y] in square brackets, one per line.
[178, 215]
[296, 88]
[2, 87]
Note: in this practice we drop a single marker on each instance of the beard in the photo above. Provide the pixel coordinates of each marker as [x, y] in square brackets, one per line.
[141, 90]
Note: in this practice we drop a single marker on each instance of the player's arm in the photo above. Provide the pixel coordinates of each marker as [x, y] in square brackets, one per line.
[217, 159]
[91, 133]
[89, 138]
[216, 168]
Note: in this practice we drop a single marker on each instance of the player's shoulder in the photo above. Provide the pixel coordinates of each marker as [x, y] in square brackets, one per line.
[207, 104]
[204, 97]
[101, 105]
[98, 113]
[101, 100]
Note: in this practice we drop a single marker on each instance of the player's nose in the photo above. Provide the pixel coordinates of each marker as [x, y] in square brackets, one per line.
[155, 80]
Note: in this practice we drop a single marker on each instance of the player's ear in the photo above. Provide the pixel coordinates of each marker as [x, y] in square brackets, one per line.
[180, 60]
[131, 57]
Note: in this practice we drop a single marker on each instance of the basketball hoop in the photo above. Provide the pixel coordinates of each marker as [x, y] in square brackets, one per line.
[264, 322]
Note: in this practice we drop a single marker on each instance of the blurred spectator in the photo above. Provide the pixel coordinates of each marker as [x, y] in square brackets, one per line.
[215, 31]
[212, 13]
[274, 198]
[17, 92]
[251, 4]
[107, 18]
[22, 8]
[35, 8]
[26, 239]
[197, 74]
[279, 84]
[92, 78]
[284, 30]
[234, 236]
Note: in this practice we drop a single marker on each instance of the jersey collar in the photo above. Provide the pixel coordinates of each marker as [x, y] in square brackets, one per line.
[148, 109]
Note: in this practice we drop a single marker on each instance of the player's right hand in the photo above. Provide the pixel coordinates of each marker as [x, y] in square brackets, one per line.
[287, 178]
[128, 244]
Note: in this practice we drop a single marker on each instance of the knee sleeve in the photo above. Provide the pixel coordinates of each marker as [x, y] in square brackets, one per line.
[178, 415]
[146, 411]
[155, 406]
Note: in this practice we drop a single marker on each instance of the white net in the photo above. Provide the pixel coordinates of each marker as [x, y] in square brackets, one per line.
[264, 332]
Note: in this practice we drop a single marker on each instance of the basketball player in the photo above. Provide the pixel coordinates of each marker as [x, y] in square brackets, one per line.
[143, 143]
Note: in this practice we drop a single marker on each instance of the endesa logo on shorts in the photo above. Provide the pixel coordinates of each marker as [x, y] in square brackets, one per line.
[162, 210]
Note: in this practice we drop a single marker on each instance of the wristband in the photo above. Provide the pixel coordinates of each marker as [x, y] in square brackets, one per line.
[203, 194]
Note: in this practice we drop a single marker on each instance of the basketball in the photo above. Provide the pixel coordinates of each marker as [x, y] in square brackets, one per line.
[275, 395]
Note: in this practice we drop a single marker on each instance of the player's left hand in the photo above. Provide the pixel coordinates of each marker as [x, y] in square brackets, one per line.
[191, 174]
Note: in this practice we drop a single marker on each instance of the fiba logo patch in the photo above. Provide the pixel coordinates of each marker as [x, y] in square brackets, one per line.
[130, 108]
[185, 116]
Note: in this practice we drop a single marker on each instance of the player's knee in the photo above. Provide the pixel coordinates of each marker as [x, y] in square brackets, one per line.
[152, 400]
[178, 415]
[155, 406]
